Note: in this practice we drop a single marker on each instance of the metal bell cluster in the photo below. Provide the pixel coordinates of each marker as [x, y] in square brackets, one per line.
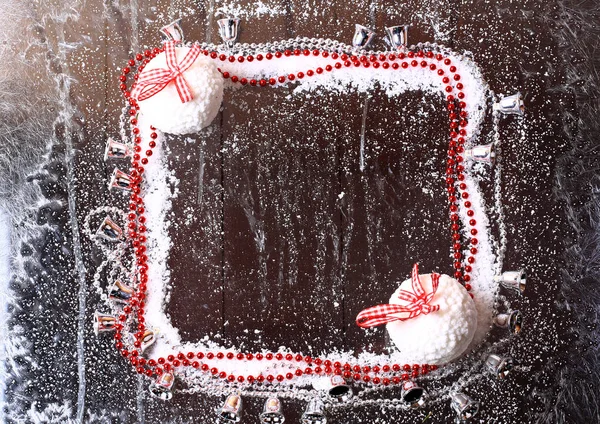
[117, 150]
[233, 407]
[341, 391]
[120, 293]
[396, 36]
[512, 321]
[229, 29]
[508, 105]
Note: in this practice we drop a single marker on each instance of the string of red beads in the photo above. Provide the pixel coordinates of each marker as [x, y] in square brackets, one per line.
[455, 186]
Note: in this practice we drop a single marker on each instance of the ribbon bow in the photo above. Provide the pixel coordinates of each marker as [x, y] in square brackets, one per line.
[418, 304]
[154, 81]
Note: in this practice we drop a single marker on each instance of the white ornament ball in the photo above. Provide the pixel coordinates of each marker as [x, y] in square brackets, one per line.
[441, 336]
[165, 110]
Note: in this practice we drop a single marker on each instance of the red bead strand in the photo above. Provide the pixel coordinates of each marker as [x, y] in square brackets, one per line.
[456, 190]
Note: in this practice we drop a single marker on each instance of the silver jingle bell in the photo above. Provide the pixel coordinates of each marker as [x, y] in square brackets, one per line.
[229, 30]
[161, 387]
[231, 411]
[116, 150]
[147, 340]
[109, 230]
[339, 388]
[484, 153]
[272, 412]
[499, 366]
[314, 412]
[412, 394]
[103, 322]
[511, 105]
[513, 321]
[516, 280]
[173, 32]
[362, 37]
[120, 180]
[120, 292]
[465, 407]
[397, 36]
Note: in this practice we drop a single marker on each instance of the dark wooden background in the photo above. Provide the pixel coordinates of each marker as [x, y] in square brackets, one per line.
[263, 237]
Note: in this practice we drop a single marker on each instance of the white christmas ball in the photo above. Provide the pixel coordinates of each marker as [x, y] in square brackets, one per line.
[440, 336]
[165, 110]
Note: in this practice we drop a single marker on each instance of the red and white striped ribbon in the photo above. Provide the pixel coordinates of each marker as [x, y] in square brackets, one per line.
[418, 303]
[154, 81]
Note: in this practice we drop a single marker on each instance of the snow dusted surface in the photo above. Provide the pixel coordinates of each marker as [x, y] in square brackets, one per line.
[52, 175]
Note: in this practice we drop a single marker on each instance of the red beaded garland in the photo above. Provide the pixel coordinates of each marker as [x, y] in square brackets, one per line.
[356, 372]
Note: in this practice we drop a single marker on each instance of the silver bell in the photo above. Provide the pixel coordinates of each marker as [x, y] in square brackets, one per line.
[120, 292]
[499, 366]
[103, 322]
[511, 105]
[465, 407]
[173, 32]
[229, 30]
[397, 36]
[231, 411]
[116, 150]
[339, 388]
[314, 412]
[362, 37]
[512, 320]
[513, 280]
[148, 339]
[109, 230]
[161, 387]
[120, 180]
[272, 412]
[484, 153]
[412, 394]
